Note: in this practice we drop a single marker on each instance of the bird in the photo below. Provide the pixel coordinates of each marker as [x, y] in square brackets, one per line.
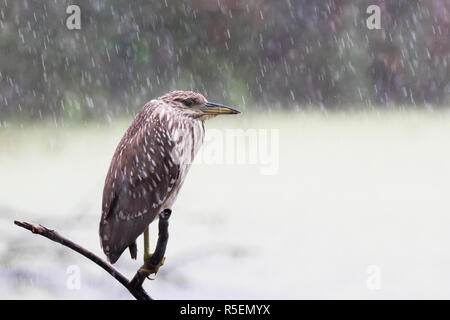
[149, 166]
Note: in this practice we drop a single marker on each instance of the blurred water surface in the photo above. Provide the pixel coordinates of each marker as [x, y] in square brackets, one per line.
[353, 190]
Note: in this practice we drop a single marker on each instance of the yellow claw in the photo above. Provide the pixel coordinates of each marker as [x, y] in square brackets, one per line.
[149, 268]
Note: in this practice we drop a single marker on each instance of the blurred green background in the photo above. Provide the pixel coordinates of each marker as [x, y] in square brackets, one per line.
[271, 54]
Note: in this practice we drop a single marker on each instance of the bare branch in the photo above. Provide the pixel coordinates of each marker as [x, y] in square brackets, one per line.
[158, 255]
[134, 286]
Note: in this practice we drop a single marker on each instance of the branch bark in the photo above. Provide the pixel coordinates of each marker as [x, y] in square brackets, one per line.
[134, 286]
[158, 255]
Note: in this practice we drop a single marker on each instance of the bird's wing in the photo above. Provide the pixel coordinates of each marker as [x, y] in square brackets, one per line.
[141, 177]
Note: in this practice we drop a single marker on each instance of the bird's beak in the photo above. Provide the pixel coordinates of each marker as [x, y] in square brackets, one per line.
[214, 108]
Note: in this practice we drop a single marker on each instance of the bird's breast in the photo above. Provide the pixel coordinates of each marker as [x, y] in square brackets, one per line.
[187, 136]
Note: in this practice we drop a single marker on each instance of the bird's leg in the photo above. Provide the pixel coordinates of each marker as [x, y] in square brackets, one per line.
[147, 254]
[149, 266]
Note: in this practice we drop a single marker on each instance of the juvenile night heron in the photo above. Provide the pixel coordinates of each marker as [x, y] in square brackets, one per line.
[149, 167]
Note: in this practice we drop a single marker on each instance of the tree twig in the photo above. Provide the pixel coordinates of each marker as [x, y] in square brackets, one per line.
[134, 286]
[158, 255]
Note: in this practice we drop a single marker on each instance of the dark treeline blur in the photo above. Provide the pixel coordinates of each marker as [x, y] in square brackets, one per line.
[281, 54]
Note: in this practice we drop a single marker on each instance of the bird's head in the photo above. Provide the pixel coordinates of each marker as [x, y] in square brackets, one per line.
[195, 105]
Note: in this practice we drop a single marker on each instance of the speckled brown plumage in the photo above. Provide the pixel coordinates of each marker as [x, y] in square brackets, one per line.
[149, 167]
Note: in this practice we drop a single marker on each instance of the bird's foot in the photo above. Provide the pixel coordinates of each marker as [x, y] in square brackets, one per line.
[150, 267]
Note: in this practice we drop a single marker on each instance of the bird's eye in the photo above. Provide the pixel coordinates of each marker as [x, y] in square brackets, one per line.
[188, 102]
